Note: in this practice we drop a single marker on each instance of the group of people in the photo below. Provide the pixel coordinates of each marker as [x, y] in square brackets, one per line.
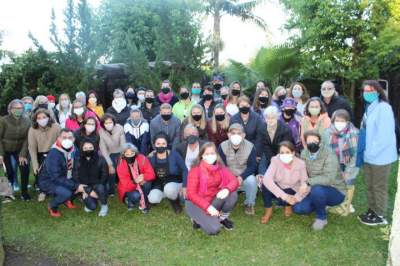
[201, 148]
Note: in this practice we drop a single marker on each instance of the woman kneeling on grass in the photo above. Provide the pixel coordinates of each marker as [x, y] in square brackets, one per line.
[211, 192]
[91, 171]
[327, 185]
[170, 170]
[284, 180]
[135, 175]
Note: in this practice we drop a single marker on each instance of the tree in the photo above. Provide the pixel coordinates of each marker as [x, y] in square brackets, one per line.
[218, 8]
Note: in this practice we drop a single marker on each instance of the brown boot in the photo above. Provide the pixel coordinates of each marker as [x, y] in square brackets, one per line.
[288, 211]
[267, 215]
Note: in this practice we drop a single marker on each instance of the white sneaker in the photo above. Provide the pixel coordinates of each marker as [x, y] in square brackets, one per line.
[87, 209]
[319, 224]
[352, 210]
[41, 197]
[103, 210]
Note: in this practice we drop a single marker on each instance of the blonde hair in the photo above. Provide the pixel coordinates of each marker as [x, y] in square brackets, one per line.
[230, 96]
[203, 122]
[224, 124]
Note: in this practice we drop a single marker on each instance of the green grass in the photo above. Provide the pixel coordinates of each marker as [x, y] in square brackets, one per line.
[163, 238]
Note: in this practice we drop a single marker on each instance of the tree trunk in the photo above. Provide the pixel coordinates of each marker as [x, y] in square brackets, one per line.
[394, 241]
[216, 38]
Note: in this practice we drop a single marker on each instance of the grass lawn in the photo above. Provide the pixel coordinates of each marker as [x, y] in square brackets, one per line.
[163, 238]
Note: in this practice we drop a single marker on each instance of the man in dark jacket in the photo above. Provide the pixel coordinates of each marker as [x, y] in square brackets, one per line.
[119, 108]
[55, 177]
[332, 101]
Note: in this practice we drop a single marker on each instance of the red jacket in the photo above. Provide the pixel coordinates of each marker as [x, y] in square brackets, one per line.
[125, 183]
[214, 185]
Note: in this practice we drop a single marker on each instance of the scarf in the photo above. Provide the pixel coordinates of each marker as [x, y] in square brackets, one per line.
[165, 98]
[210, 171]
[134, 173]
[68, 155]
[349, 137]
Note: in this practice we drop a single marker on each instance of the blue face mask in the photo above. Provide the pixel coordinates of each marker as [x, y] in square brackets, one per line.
[370, 96]
[196, 90]
[28, 107]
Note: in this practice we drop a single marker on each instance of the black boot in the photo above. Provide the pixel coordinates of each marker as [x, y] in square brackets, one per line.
[176, 205]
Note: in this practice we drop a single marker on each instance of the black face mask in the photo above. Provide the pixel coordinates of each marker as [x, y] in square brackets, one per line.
[289, 112]
[235, 92]
[149, 100]
[281, 97]
[263, 99]
[207, 97]
[161, 149]
[88, 154]
[130, 160]
[220, 117]
[184, 95]
[313, 147]
[166, 117]
[192, 139]
[244, 110]
[130, 95]
[165, 90]
[217, 86]
[224, 96]
[43, 106]
[196, 117]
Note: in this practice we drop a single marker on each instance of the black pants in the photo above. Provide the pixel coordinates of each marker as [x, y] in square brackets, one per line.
[90, 202]
[41, 158]
[12, 175]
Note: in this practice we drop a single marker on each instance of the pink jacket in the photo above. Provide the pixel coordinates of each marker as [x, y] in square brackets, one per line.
[280, 176]
[73, 124]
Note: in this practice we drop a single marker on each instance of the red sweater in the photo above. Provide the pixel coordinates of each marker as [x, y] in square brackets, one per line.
[214, 185]
[125, 183]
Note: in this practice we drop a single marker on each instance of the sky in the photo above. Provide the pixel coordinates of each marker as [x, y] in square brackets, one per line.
[241, 39]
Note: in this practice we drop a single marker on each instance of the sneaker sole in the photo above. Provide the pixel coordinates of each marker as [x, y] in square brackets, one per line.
[375, 224]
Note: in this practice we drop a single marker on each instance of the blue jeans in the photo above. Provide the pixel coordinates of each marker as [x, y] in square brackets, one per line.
[268, 197]
[133, 197]
[61, 195]
[9, 158]
[250, 188]
[318, 199]
[91, 203]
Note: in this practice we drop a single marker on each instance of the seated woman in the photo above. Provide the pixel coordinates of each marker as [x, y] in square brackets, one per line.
[196, 118]
[87, 132]
[170, 171]
[91, 172]
[284, 180]
[135, 175]
[342, 138]
[277, 131]
[217, 127]
[211, 192]
[137, 131]
[327, 185]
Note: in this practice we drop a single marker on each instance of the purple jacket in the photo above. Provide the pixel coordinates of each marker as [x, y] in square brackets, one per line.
[294, 126]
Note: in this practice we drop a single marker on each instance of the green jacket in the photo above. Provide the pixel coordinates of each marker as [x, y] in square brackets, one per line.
[324, 170]
[14, 135]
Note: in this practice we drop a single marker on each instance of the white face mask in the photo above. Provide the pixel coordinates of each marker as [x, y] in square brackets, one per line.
[141, 97]
[340, 125]
[90, 128]
[67, 144]
[210, 158]
[109, 127]
[286, 158]
[43, 122]
[51, 105]
[327, 93]
[236, 139]
[119, 104]
[79, 111]
[64, 103]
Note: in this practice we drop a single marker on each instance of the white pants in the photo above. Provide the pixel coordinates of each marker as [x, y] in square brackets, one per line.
[171, 191]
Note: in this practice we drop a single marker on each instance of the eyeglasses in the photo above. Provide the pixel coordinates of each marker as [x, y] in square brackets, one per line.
[327, 88]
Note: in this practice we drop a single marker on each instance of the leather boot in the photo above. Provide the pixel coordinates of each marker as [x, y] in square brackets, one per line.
[267, 215]
[288, 211]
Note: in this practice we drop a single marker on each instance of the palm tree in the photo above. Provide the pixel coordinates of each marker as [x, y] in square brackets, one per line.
[237, 8]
